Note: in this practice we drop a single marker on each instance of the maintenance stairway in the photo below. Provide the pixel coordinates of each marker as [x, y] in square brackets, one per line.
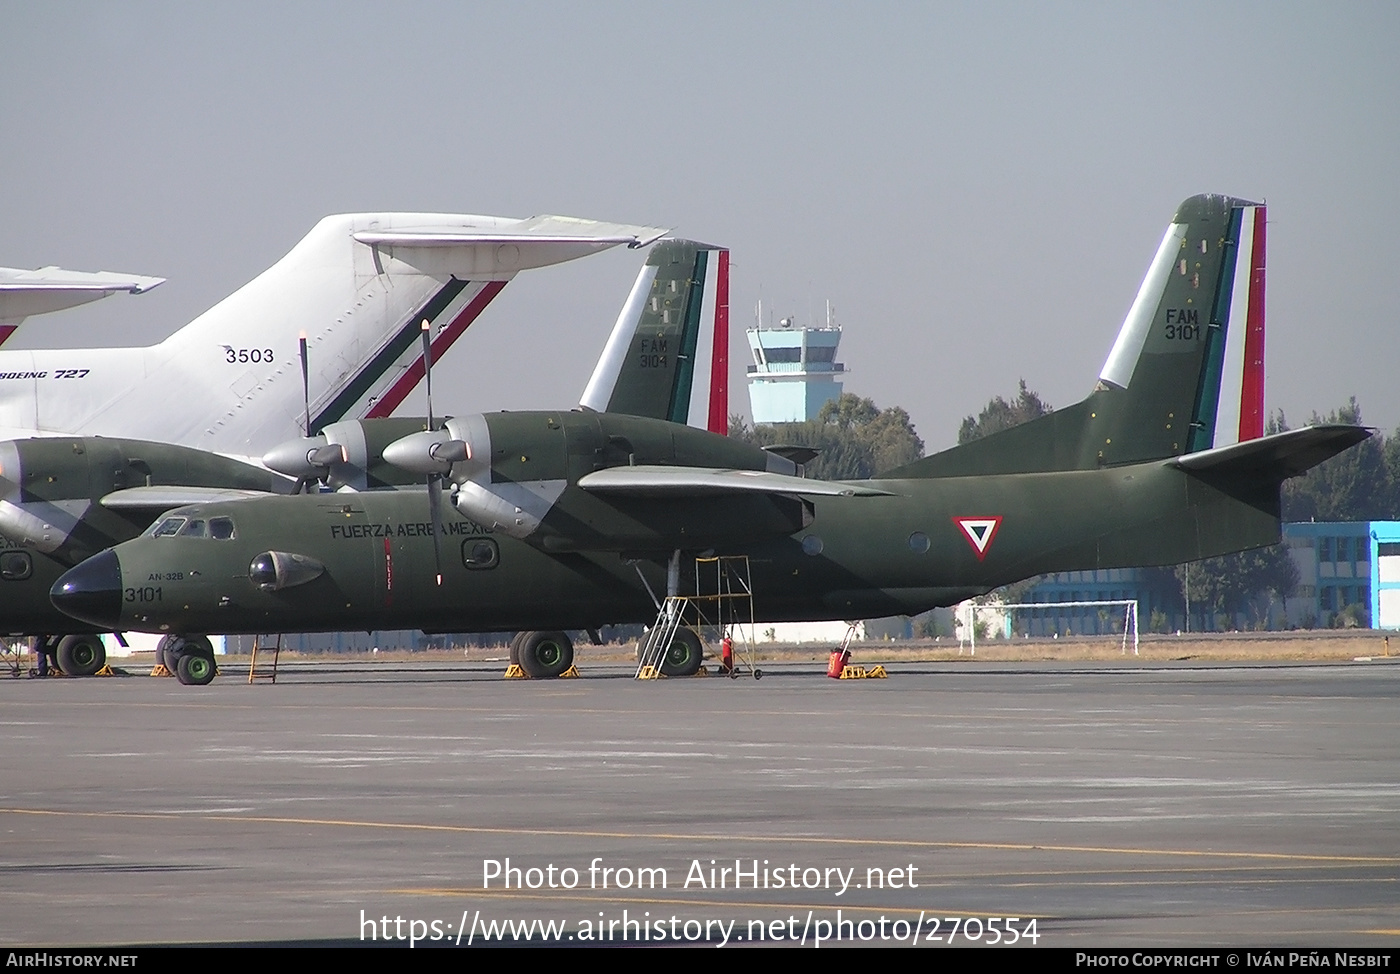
[723, 601]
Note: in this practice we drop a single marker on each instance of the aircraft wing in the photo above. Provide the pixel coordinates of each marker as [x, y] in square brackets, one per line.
[24, 292]
[500, 250]
[167, 498]
[1275, 457]
[656, 481]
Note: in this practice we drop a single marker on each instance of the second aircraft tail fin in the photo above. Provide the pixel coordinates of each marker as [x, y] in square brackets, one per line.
[1185, 374]
[668, 354]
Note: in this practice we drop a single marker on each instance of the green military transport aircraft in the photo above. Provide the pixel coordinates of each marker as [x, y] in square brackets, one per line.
[553, 521]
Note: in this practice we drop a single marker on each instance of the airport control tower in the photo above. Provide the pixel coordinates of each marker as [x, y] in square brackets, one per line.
[795, 371]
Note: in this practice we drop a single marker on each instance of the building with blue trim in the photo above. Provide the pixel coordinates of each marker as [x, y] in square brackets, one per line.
[1345, 568]
[1385, 574]
[1348, 574]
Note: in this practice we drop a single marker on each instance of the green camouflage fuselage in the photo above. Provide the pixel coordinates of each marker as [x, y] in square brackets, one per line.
[855, 557]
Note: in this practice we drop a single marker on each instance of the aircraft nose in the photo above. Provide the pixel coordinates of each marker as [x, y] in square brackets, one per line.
[92, 591]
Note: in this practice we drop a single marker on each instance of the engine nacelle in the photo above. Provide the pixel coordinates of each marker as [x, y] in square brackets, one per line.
[309, 457]
[513, 509]
[460, 449]
[23, 526]
[349, 454]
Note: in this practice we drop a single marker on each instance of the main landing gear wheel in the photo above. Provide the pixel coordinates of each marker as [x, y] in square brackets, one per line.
[195, 669]
[515, 647]
[545, 655]
[684, 655]
[81, 655]
[198, 651]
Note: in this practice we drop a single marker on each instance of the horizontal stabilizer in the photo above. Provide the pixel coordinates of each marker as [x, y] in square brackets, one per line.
[24, 293]
[1277, 457]
[795, 454]
[165, 498]
[650, 481]
[429, 238]
[499, 250]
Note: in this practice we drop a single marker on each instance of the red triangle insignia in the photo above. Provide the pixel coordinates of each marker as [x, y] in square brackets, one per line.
[979, 532]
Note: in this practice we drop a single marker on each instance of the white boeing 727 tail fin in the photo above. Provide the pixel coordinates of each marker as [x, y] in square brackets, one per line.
[358, 286]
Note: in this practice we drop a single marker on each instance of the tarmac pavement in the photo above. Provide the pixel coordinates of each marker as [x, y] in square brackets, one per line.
[1113, 804]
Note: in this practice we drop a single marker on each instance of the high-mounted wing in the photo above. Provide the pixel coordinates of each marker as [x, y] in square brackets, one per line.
[166, 498]
[657, 481]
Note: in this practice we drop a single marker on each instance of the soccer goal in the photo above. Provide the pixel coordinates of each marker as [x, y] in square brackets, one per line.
[969, 612]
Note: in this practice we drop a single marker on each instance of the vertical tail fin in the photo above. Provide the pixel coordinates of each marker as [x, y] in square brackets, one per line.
[656, 362]
[1185, 374]
[1190, 356]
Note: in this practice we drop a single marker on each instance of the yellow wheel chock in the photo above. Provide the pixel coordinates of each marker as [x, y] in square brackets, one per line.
[514, 672]
[861, 673]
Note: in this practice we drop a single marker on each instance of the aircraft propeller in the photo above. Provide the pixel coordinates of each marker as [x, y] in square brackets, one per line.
[431, 452]
[305, 384]
[311, 458]
[434, 478]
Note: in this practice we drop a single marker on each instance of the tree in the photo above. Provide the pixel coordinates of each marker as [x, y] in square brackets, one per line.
[1238, 584]
[1391, 461]
[1002, 415]
[855, 438]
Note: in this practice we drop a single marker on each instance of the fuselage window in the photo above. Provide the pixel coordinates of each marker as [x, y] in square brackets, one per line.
[480, 553]
[15, 566]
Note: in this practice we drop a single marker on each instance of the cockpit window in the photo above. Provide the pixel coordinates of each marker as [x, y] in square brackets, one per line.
[168, 527]
[221, 528]
[194, 529]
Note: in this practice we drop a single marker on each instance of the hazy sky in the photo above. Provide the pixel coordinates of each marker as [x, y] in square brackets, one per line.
[977, 188]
